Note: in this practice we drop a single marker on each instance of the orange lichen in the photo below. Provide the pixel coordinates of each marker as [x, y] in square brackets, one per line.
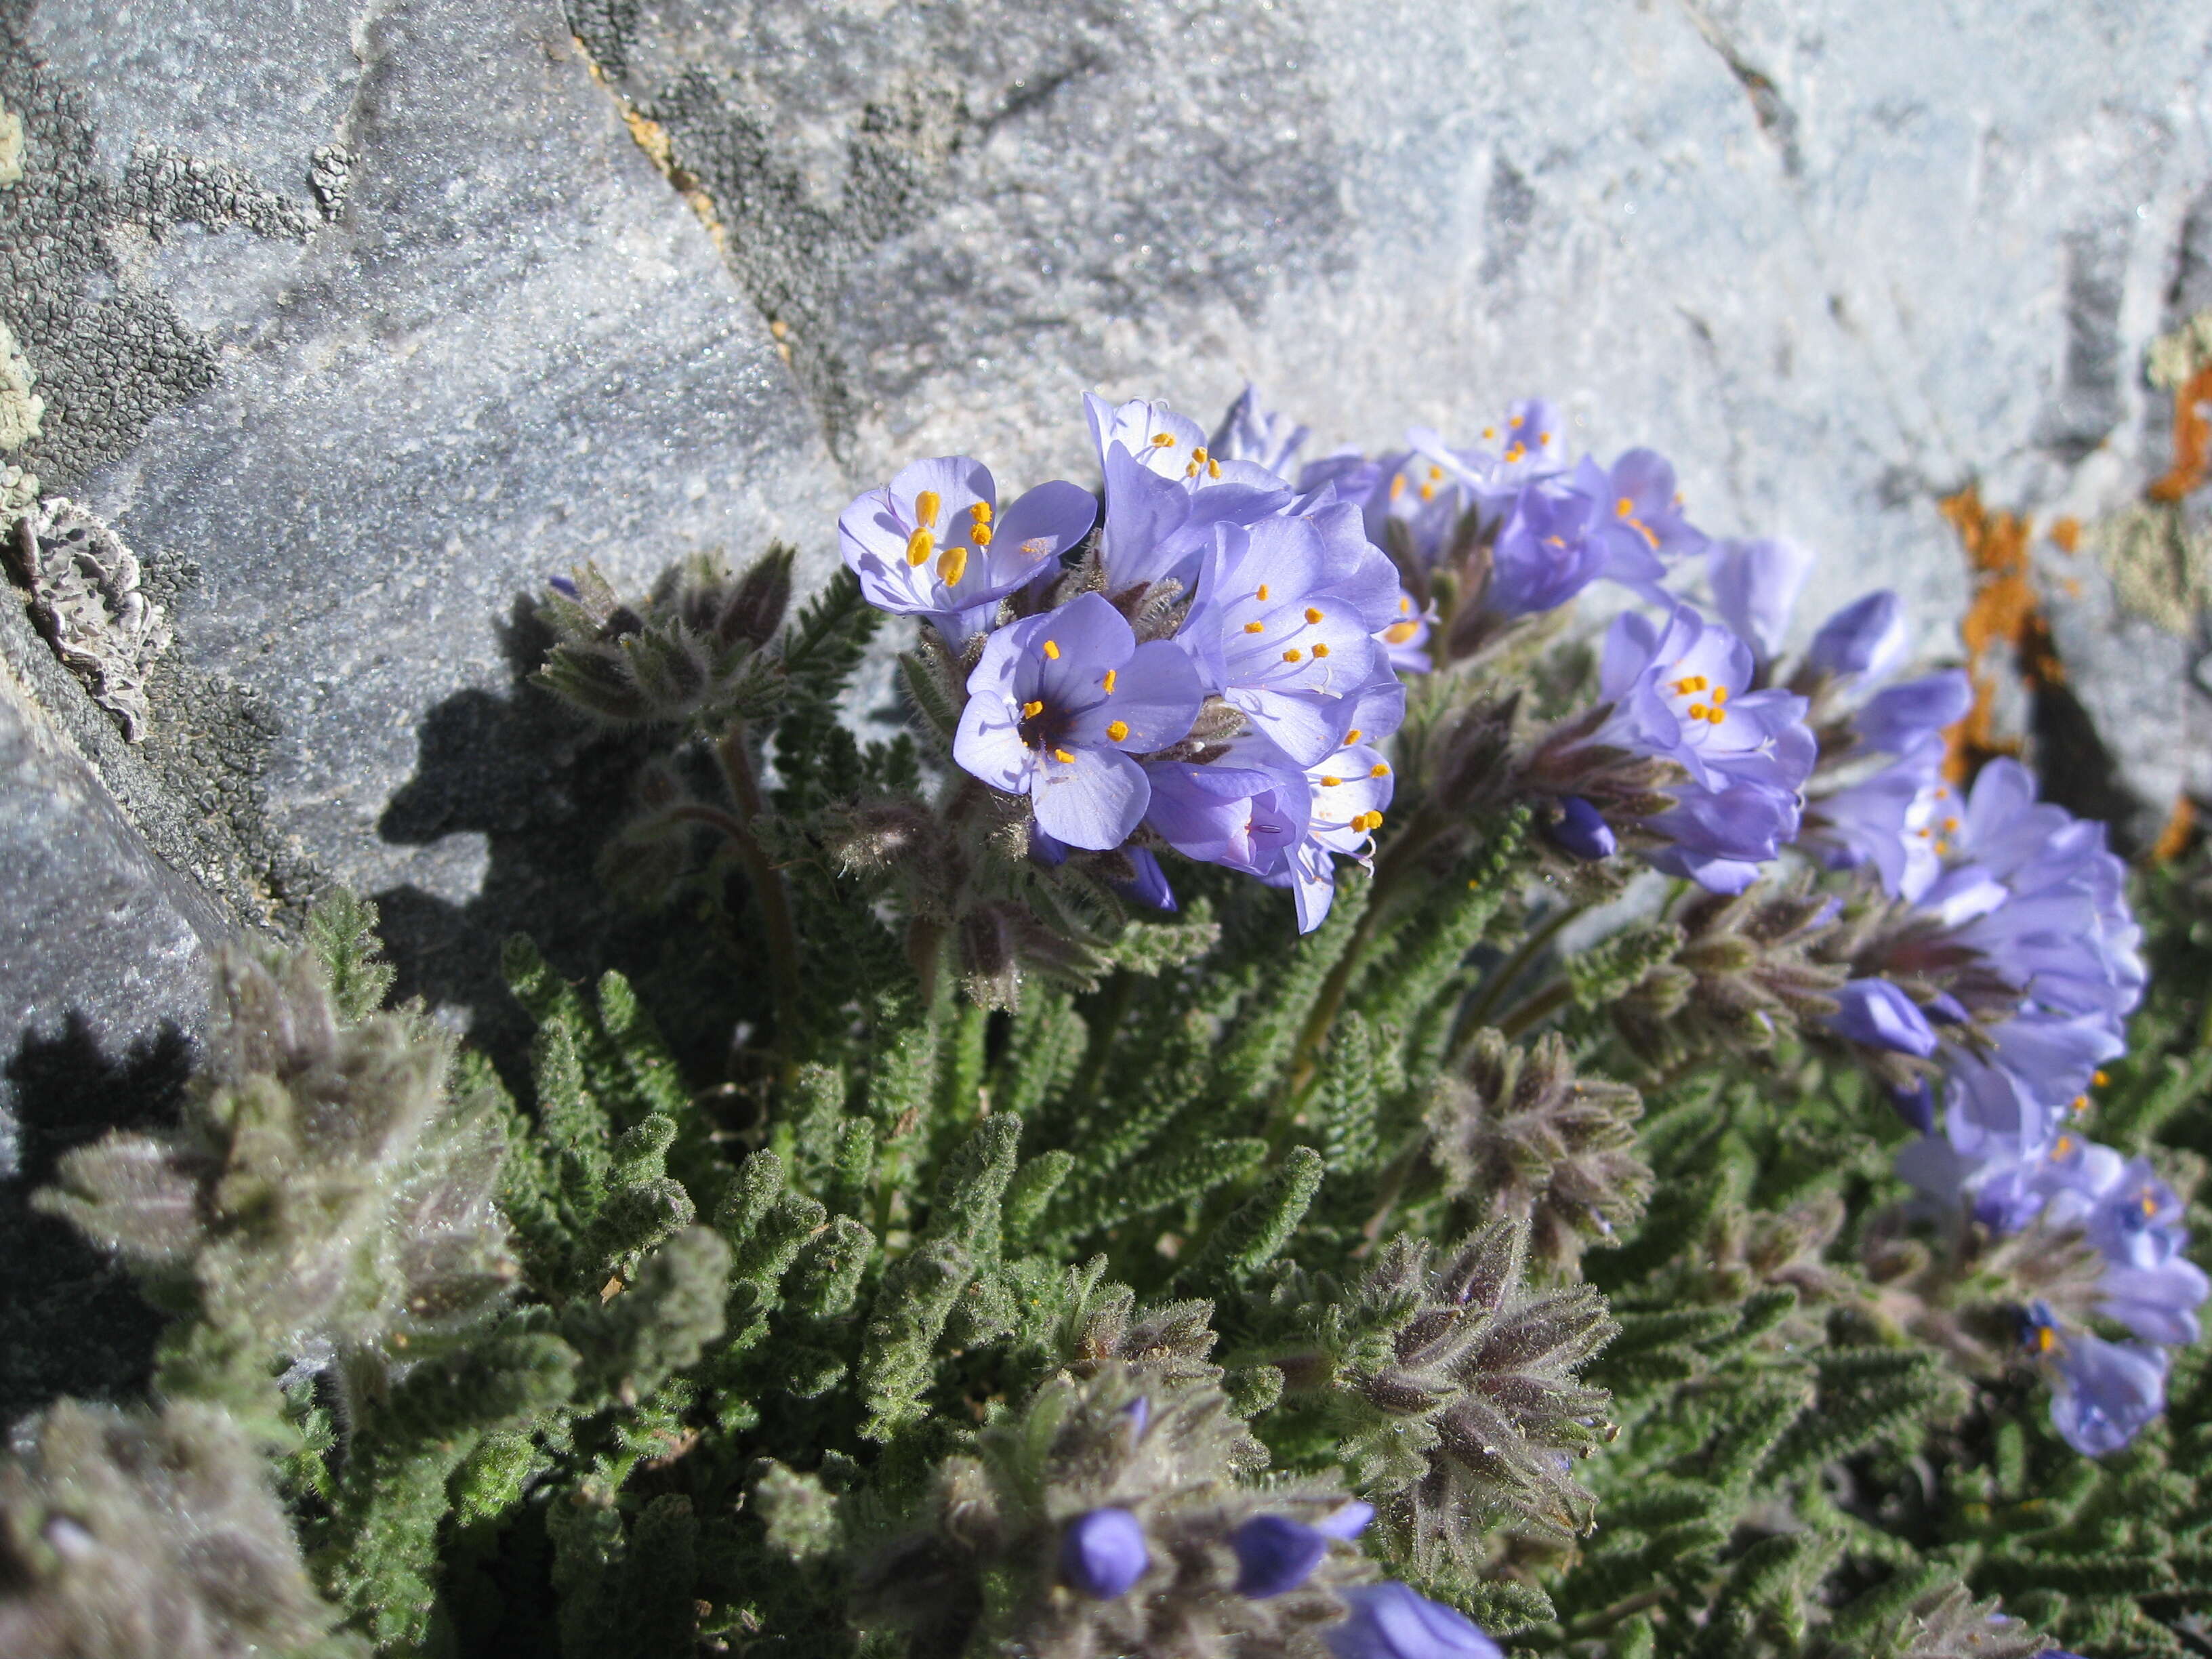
[2180, 825]
[2192, 438]
[2004, 618]
[2066, 532]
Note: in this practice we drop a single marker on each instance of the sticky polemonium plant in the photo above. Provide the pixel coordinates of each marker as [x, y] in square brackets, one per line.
[1293, 1210]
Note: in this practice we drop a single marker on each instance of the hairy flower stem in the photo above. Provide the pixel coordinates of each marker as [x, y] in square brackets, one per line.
[736, 762]
[1391, 868]
[1536, 1011]
[1494, 989]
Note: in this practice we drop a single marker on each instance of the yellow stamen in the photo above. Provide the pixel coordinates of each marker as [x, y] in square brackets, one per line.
[1428, 492]
[1943, 849]
[1404, 605]
[1397, 486]
[2045, 1339]
[1352, 736]
[1294, 656]
[1720, 694]
[1108, 682]
[1515, 451]
[2062, 1148]
[1312, 615]
[2099, 1079]
[1051, 651]
[1191, 472]
[980, 513]
[1698, 711]
[1950, 826]
[1032, 710]
[1321, 651]
[1212, 467]
[1718, 717]
[981, 533]
[1328, 782]
[1488, 433]
[1436, 473]
[1063, 757]
[1164, 440]
[1623, 507]
[952, 565]
[1543, 440]
[925, 509]
[1117, 730]
[2148, 1202]
[919, 547]
[1198, 455]
[1378, 770]
[1263, 594]
[1515, 422]
[2079, 1103]
[1255, 628]
[1399, 633]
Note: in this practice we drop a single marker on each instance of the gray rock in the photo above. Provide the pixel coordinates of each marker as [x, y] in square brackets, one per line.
[104, 986]
[357, 322]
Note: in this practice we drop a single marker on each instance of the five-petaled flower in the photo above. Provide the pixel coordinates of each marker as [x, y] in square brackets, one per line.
[1057, 706]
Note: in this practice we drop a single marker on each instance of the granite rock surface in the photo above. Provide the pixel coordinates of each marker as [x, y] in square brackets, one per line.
[355, 320]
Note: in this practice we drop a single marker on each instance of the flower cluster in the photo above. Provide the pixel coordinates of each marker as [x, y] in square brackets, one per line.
[1217, 669]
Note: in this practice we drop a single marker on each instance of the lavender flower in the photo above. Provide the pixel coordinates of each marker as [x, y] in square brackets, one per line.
[1875, 1012]
[1639, 522]
[1755, 587]
[1166, 492]
[1390, 1621]
[1056, 706]
[1102, 1553]
[2103, 1393]
[1276, 1554]
[1260, 436]
[1283, 624]
[1867, 638]
[1680, 693]
[1581, 830]
[933, 543]
[1549, 549]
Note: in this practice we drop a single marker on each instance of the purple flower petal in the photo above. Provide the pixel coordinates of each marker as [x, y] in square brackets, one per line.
[1581, 830]
[1866, 637]
[1875, 1012]
[1275, 1555]
[1755, 588]
[1102, 1553]
[1390, 1621]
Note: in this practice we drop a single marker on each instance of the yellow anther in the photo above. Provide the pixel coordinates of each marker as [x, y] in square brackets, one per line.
[1117, 730]
[2079, 1103]
[1543, 440]
[1263, 594]
[1950, 826]
[1255, 628]
[980, 513]
[1198, 455]
[1374, 820]
[1720, 694]
[1943, 849]
[2062, 1148]
[1107, 684]
[1352, 736]
[925, 509]
[1436, 474]
[981, 533]
[1313, 615]
[1164, 440]
[2045, 1339]
[952, 565]
[1378, 770]
[1515, 422]
[1213, 468]
[1942, 793]
[2099, 1079]
[1698, 711]
[1515, 451]
[1399, 633]
[919, 547]
[1488, 433]
[1032, 710]
[1397, 486]
[1051, 651]
[1623, 507]
[2148, 1202]
[1404, 605]
[1428, 492]
[1718, 717]
[1294, 656]
[1321, 651]
[1191, 472]
[1327, 782]
[1063, 757]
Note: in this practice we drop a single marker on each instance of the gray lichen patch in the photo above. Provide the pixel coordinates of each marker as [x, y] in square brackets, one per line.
[86, 597]
[21, 408]
[109, 352]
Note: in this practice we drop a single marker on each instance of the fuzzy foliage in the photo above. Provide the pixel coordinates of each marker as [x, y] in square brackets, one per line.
[125, 1534]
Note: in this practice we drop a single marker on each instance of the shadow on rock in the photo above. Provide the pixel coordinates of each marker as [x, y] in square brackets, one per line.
[548, 793]
[71, 1322]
